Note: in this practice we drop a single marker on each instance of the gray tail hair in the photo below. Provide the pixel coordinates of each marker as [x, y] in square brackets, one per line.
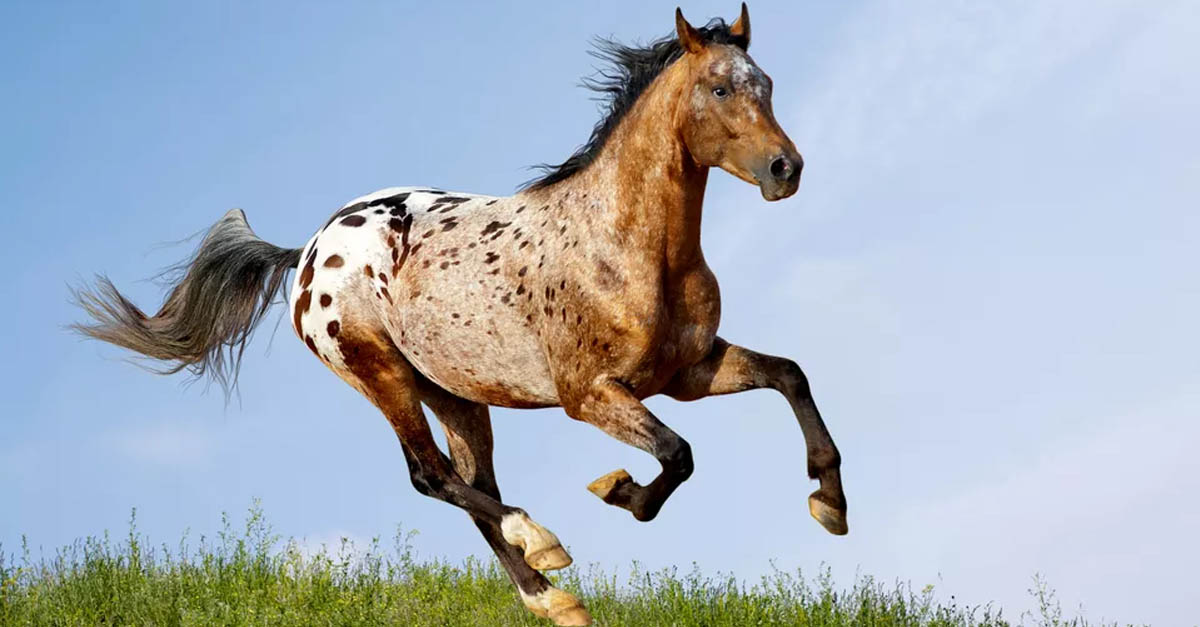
[217, 298]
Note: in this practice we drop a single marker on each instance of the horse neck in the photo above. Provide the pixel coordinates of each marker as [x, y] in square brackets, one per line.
[655, 188]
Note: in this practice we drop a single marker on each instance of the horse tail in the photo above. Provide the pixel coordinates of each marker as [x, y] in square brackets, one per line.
[216, 299]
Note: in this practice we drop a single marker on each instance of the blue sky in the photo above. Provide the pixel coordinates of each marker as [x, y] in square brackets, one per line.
[989, 274]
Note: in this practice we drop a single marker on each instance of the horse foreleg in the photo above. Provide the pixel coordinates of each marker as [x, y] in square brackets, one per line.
[729, 369]
[469, 435]
[610, 406]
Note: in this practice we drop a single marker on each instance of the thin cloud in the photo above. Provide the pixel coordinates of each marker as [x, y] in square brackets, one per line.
[170, 443]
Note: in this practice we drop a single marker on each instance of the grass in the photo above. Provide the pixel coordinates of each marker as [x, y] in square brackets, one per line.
[249, 577]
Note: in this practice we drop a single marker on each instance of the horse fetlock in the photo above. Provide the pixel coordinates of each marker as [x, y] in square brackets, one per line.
[559, 606]
[542, 549]
[822, 460]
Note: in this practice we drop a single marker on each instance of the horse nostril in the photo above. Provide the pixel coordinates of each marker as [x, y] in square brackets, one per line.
[781, 168]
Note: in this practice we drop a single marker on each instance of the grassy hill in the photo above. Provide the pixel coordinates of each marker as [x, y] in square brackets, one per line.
[249, 577]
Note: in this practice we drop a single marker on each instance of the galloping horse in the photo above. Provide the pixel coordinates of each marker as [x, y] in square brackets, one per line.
[586, 290]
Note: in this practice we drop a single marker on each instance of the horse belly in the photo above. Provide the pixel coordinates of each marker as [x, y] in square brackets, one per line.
[480, 356]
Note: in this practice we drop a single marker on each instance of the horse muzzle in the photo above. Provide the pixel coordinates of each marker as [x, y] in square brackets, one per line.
[780, 176]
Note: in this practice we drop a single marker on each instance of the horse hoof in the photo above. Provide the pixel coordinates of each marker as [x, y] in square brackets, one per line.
[831, 518]
[606, 485]
[543, 551]
[571, 616]
[552, 558]
[559, 606]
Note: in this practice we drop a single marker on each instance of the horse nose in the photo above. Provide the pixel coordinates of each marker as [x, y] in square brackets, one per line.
[784, 167]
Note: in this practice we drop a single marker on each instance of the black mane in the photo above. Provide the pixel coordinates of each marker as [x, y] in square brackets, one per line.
[631, 71]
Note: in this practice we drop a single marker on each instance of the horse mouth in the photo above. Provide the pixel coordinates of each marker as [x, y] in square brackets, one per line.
[772, 191]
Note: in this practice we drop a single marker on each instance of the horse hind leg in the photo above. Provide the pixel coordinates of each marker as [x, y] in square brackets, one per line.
[469, 435]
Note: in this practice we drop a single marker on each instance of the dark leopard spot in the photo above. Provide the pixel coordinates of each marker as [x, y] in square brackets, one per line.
[491, 256]
[494, 226]
[354, 220]
[326, 300]
[392, 202]
[345, 211]
[367, 270]
[333, 327]
[306, 276]
[302, 305]
[334, 261]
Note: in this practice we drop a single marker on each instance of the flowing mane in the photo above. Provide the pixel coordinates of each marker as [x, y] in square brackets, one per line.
[631, 70]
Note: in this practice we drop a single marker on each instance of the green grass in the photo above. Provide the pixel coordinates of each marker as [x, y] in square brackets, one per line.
[249, 577]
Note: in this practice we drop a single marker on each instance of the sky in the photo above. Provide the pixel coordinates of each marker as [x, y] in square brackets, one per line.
[988, 274]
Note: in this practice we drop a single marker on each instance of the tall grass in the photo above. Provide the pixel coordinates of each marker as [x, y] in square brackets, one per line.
[250, 577]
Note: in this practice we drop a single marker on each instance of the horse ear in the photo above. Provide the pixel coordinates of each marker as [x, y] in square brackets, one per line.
[689, 37]
[741, 28]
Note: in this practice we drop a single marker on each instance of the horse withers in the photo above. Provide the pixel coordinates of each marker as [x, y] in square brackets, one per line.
[586, 290]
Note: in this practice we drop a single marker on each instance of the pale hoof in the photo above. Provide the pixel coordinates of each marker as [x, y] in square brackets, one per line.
[831, 518]
[552, 558]
[604, 486]
[559, 606]
[543, 551]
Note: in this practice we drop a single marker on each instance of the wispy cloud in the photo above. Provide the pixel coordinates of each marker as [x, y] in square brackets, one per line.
[172, 443]
[1090, 511]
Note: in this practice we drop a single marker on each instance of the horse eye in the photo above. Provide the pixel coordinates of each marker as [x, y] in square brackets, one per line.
[720, 92]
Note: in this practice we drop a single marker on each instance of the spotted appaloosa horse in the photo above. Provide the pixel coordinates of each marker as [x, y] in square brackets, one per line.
[586, 290]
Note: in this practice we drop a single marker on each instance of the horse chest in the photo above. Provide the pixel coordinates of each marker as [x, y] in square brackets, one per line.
[693, 312]
[695, 306]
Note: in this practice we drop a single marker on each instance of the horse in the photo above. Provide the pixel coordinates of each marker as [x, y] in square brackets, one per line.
[585, 290]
